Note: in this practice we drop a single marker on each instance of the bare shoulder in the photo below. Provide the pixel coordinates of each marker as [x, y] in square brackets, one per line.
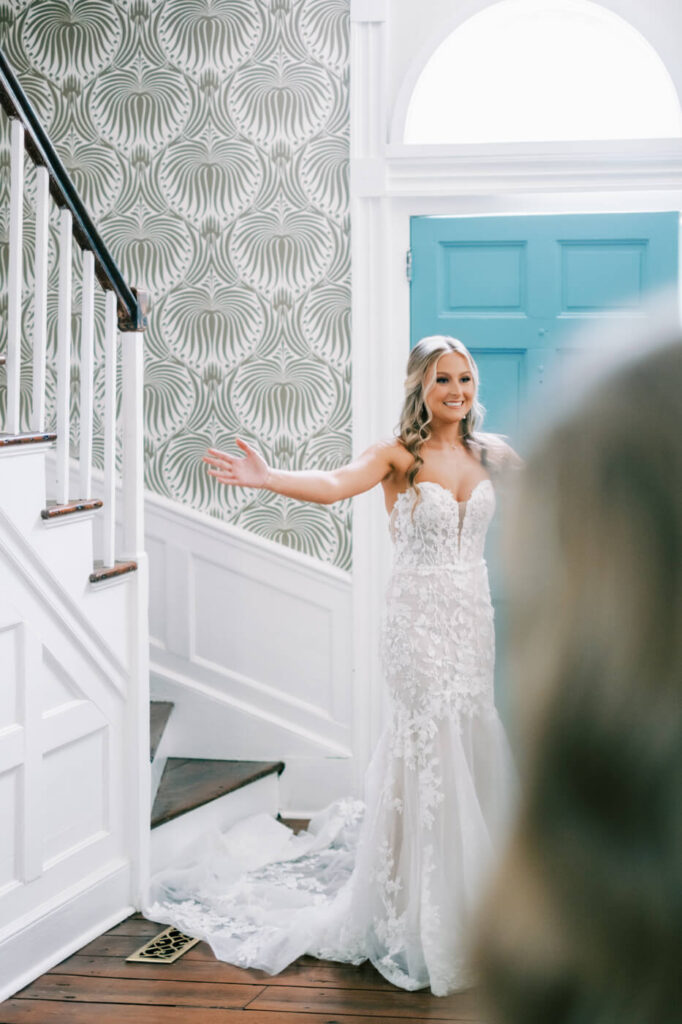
[500, 453]
[400, 459]
[393, 449]
[382, 459]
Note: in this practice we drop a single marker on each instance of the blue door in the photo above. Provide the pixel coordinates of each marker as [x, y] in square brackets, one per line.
[516, 290]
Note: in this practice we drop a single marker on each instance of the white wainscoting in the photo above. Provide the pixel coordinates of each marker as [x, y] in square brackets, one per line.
[64, 785]
[253, 643]
[74, 737]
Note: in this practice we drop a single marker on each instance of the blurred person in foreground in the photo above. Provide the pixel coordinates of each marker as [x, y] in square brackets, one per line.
[583, 923]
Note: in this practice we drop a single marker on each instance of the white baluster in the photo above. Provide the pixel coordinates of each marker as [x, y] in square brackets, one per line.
[109, 520]
[87, 370]
[40, 300]
[132, 353]
[64, 357]
[16, 210]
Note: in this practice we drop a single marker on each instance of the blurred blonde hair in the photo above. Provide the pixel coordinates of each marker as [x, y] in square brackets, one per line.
[584, 920]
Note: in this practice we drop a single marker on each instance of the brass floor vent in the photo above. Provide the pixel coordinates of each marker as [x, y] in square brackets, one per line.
[166, 947]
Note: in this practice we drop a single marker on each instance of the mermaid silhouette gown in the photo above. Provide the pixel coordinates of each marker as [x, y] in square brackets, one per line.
[395, 879]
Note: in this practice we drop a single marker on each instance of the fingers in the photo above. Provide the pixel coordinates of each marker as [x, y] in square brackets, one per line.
[222, 477]
[222, 465]
[242, 444]
[218, 460]
[217, 454]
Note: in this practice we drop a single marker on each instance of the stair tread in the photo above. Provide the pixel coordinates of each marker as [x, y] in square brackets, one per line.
[9, 440]
[55, 511]
[159, 713]
[99, 573]
[191, 782]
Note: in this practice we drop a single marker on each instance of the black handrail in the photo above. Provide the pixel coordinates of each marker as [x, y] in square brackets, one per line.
[132, 307]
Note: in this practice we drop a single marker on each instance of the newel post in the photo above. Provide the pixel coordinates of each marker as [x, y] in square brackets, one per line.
[132, 416]
[132, 472]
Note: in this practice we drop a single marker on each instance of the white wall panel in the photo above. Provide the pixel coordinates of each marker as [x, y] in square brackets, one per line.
[9, 805]
[9, 637]
[157, 588]
[66, 793]
[74, 795]
[274, 636]
[57, 688]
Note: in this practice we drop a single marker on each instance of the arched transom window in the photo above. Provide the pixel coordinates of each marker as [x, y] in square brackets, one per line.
[541, 70]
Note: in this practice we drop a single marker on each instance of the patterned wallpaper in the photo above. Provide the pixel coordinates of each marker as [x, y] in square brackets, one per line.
[209, 139]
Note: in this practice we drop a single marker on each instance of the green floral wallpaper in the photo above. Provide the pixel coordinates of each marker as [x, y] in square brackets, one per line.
[209, 139]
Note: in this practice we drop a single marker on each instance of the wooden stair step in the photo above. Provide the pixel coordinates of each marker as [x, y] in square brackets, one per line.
[99, 573]
[11, 440]
[191, 782]
[55, 511]
[159, 713]
[295, 824]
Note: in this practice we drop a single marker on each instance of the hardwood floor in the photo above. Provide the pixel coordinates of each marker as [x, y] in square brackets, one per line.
[97, 986]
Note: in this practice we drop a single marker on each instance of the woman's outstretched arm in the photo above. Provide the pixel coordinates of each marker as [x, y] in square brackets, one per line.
[317, 485]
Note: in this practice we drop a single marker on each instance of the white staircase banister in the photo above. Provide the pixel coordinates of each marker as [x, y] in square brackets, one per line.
[110, 345]
[131, 306]
[64, 356]
[87, 370]
[16, 209]
[37, 422]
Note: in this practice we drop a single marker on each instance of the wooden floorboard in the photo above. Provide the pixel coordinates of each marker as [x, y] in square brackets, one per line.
[24, 1011]
[205, 967]
[370, 1004]
[97, 986]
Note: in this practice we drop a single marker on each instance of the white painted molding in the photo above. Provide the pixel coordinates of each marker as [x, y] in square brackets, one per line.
[29, 948]
[176, 514]
[45, 586]
[59, 522]
[658, 23]
[20, 451]
[515, 168]
[163, 673]
[368, 11]
[368, 177]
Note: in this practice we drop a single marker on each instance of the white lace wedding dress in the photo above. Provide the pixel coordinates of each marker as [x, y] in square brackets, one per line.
[395, 879]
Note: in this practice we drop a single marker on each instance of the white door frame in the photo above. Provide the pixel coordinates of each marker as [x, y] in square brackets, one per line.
[390, 183]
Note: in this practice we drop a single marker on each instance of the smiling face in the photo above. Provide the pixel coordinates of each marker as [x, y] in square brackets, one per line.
[452, 394]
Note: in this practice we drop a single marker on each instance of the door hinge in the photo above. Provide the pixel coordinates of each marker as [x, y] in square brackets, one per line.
[408, 264]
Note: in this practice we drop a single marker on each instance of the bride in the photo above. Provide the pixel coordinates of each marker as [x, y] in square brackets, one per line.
[395, 879]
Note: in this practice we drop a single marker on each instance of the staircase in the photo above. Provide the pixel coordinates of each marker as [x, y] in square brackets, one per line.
[194, 795]
[74, 640]
[87, 763]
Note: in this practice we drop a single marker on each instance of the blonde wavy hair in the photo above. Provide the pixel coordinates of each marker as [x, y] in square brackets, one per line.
[414, 429]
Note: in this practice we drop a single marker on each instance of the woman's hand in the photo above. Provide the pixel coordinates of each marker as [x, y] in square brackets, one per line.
[250, 471]
[322, 486]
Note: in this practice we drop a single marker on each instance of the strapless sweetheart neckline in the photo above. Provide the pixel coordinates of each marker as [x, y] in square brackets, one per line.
[446, 490]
